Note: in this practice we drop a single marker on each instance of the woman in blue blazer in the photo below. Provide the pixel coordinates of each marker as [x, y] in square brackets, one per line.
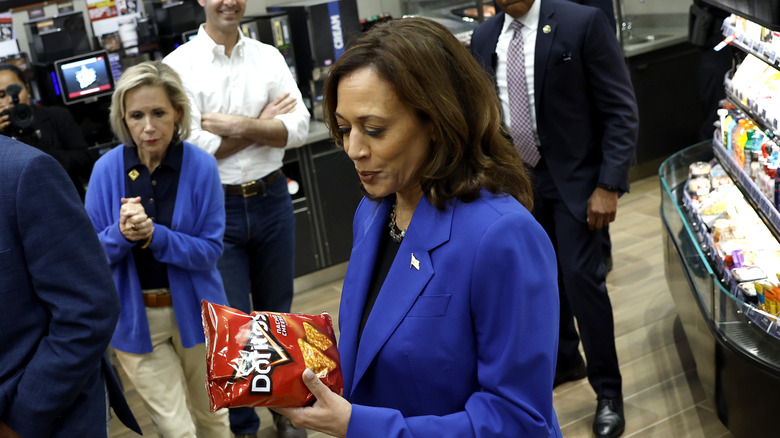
[449, 311]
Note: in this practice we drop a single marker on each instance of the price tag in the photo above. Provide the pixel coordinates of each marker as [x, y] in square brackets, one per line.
[725, 42]
[775, 331]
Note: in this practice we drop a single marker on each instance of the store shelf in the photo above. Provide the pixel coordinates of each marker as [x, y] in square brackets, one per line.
[761, 203]
[761, 49]
[755, 111]
[735, 345]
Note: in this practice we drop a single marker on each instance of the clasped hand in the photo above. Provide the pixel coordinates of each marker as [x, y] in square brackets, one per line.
[134, 224]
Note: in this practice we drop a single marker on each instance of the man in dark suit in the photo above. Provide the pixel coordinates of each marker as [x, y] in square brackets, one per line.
[583, 120]
[59, 305]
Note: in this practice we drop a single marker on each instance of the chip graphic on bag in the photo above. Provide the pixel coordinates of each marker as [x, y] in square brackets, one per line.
[258, 359]
[316, 338]
[315, 360]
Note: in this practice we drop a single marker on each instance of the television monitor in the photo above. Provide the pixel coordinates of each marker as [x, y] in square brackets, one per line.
[187, 36]
[84, 77]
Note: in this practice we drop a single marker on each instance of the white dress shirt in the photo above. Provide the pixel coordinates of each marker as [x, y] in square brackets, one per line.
[253, 75]
[530, 25]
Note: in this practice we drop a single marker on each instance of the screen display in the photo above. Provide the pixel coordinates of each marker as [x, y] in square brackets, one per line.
[189, 35]
[84, 77]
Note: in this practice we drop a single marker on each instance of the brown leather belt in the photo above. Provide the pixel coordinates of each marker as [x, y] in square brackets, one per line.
[253, 188]
[161, 299]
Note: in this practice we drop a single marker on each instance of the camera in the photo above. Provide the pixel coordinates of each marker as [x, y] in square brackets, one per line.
[20, 116]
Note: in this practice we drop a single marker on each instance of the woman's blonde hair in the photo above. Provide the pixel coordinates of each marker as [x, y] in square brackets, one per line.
[150, 74]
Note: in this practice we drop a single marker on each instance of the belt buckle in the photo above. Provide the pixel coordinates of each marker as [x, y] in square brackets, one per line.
[248, 186]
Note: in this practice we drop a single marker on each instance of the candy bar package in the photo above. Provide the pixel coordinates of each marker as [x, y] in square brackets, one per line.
[258, 359]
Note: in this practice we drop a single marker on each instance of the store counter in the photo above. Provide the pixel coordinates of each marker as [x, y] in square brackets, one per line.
[736, 346]
[326, 191]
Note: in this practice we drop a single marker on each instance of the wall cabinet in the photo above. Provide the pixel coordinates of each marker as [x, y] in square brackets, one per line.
[328, 194]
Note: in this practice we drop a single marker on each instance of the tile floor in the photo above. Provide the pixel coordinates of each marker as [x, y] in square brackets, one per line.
[663, 396]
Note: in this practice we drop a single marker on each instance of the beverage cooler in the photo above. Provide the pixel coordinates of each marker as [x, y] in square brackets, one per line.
[719, 205]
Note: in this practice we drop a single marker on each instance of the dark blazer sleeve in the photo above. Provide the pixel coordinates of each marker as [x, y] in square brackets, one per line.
[62, 300]
[587, 117]
[614, 102]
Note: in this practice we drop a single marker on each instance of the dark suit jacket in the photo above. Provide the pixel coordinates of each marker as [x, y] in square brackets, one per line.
[586, 111]
[59, 304]
[462, 339]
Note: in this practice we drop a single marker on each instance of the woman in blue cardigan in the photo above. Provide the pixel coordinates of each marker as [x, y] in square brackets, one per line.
[157, 205]
[449, 309]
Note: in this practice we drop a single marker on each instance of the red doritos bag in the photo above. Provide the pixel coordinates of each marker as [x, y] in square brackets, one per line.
[258, 359]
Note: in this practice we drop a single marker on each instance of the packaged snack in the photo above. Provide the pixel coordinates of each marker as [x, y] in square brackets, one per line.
[258, 359]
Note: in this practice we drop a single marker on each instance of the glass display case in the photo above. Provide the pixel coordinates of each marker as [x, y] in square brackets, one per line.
[736, 346]
[735, 342]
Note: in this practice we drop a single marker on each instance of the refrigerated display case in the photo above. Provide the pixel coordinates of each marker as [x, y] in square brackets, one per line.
[735, 343]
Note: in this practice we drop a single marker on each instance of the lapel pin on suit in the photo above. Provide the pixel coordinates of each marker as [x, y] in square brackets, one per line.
[415, 263]
[547, 28]
[133, 174]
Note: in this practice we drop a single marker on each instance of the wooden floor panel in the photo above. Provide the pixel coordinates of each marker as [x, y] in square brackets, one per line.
[663, 396]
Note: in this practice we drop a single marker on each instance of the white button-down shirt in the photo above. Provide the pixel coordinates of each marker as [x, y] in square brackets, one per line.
[530, 25]
[253, 75]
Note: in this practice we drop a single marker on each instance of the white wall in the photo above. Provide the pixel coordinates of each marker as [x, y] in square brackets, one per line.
[639, 7]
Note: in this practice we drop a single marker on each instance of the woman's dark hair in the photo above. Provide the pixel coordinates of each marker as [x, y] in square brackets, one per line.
[432, 72]
[17, 72]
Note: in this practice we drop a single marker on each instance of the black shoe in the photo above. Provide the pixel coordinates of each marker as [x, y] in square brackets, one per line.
[609, 421]
[285, 429]
[578, 372]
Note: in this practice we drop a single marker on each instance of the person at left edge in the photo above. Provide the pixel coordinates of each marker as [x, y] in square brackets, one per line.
[59, 306]
[52, 129]
[157, 205]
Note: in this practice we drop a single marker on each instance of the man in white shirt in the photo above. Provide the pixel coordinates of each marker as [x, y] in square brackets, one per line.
[246, 110]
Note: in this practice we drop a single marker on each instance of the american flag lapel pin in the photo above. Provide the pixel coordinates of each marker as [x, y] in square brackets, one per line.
[415, 263]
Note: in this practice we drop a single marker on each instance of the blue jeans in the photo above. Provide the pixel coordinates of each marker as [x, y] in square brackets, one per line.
[258, 261]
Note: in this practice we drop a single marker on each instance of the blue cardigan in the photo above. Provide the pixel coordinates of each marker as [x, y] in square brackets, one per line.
[191, 248]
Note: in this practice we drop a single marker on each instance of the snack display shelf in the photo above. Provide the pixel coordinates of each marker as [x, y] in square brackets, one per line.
[761, 203]
[764, 321]
[735, 345]
[759, 114]
[759, 48]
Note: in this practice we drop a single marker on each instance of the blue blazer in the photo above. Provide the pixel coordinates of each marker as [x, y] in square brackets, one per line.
[586, 113]
[59, 304]
[462, 339]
